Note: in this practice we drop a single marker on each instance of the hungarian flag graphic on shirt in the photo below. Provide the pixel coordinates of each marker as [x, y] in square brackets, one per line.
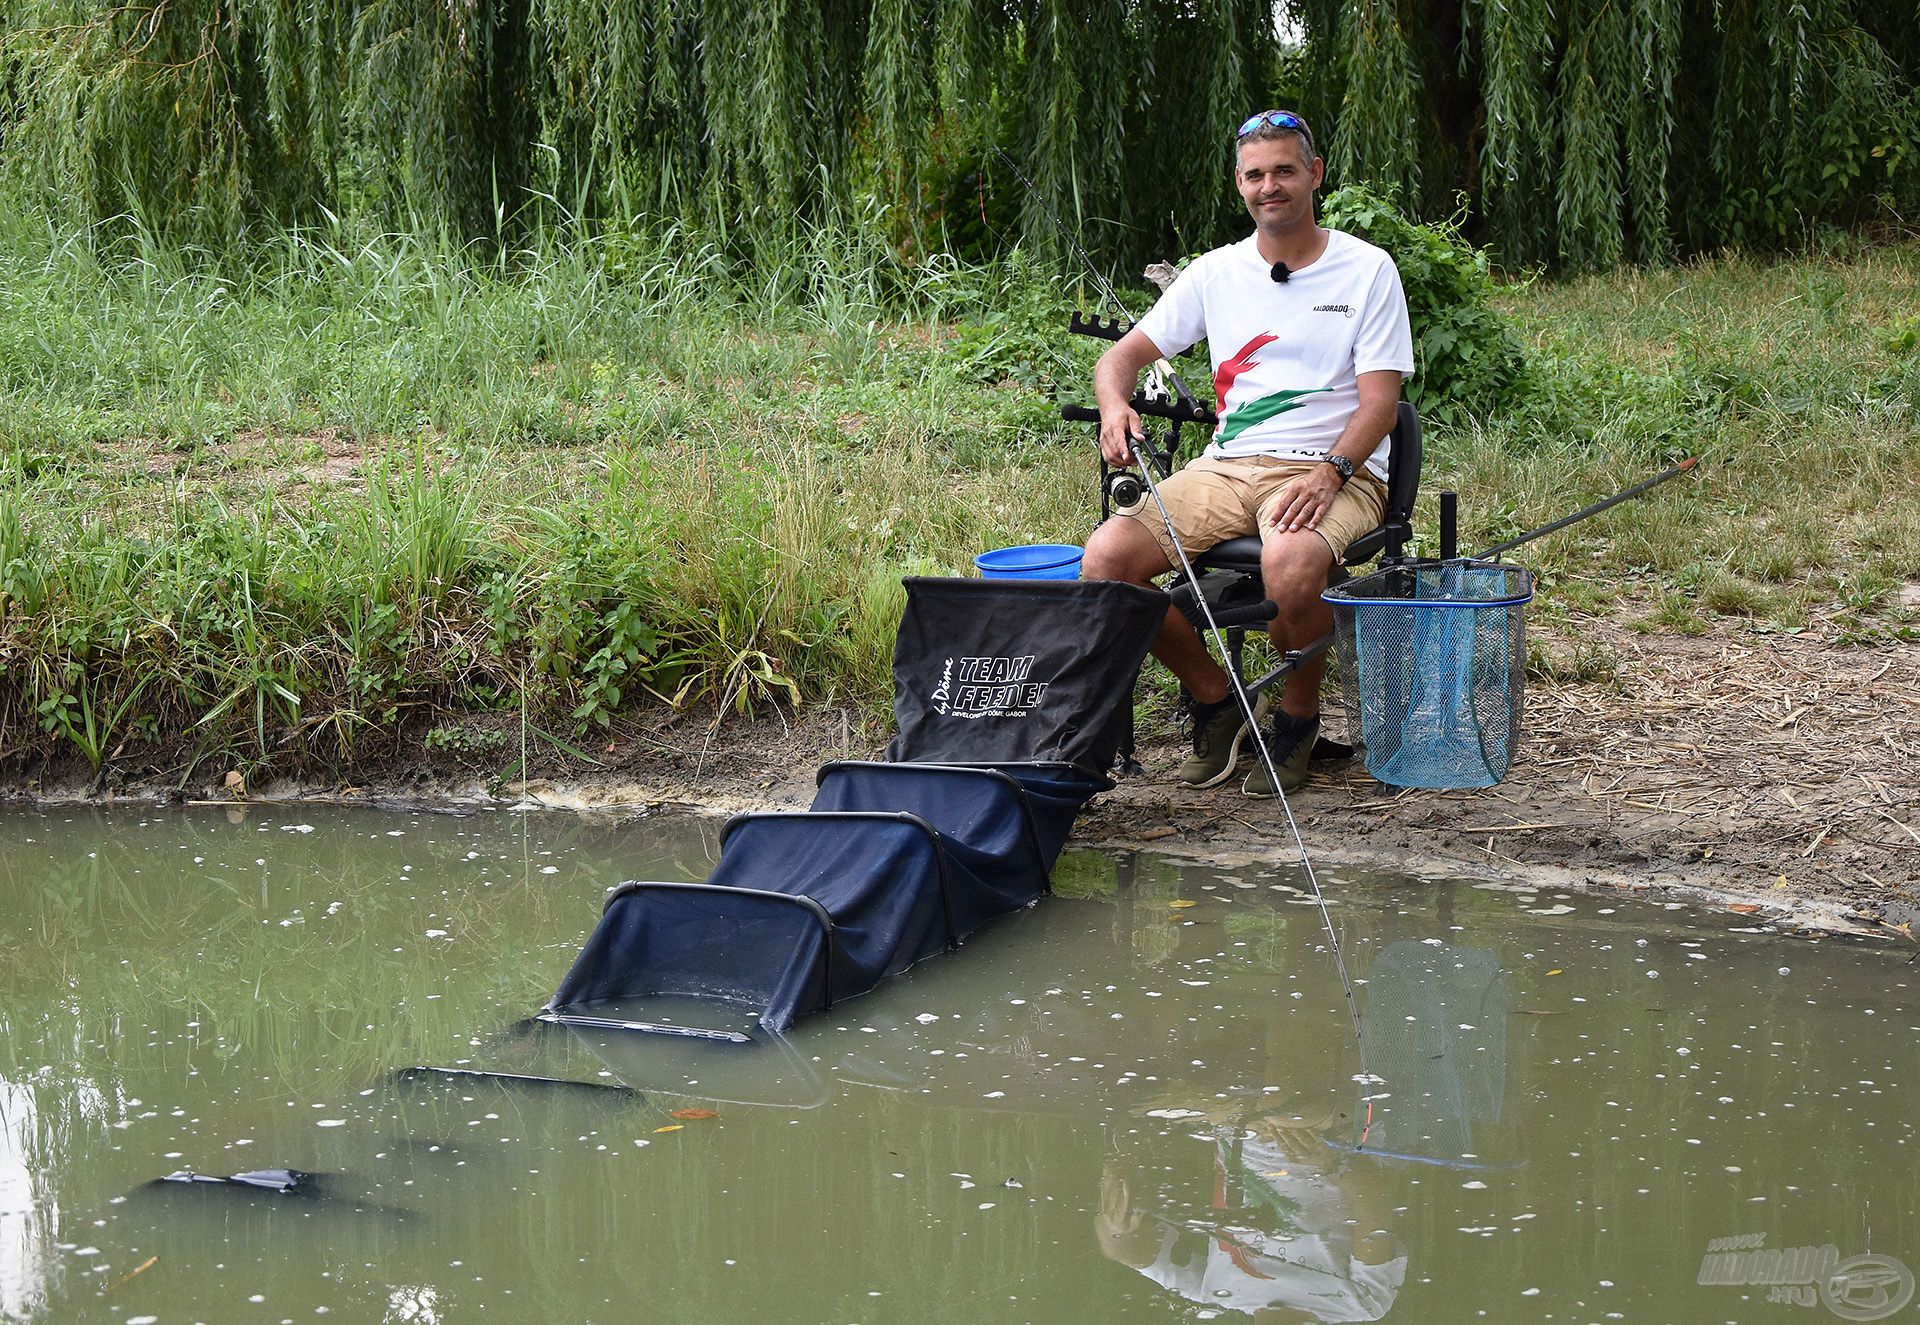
[1250, 413]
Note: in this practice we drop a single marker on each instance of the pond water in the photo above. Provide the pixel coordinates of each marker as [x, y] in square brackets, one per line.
[1135, 1102]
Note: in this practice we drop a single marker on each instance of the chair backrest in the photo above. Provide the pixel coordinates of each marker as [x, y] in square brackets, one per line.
[1403, 477]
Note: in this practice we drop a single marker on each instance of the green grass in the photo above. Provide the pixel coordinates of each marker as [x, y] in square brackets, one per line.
[339, 495]
[1796, 384]
[355, 488]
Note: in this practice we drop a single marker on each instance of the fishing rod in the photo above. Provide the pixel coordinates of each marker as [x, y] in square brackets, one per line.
[1297, 658]
[1218, 635]
[1625, 494]
[1147, 465]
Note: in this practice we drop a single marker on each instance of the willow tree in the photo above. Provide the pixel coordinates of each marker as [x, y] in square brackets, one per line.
[1585, 132]
[1581, 132]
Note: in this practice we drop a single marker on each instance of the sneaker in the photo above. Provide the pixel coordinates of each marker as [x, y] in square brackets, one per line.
[1218, 730]
[1290, 746]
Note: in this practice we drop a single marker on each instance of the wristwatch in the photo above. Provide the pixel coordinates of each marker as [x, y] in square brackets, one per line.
[1341, 465]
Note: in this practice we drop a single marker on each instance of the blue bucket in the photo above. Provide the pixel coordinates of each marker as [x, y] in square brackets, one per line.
[1031, 561]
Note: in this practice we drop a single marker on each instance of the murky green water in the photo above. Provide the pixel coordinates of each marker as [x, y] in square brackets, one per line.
[1111, 1108]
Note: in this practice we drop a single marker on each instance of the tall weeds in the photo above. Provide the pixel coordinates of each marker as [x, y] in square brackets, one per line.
[302, 512]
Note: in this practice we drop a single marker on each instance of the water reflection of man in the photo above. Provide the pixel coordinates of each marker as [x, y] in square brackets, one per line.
[1295, 1226]
[1296, 1230]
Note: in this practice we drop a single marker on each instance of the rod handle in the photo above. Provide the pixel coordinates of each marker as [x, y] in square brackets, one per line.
[1253, 614]
[1449, 525]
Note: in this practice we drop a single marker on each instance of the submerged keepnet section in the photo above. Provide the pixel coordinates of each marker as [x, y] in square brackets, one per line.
[1010, 698]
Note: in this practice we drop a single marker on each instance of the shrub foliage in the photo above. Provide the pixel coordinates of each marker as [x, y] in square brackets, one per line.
[1467, 358]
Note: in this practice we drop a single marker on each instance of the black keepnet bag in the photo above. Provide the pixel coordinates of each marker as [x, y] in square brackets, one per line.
[1027, 685]
[1019, 671]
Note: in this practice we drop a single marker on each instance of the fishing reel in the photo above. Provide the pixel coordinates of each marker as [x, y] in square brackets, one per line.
[1123, 491]
[1126, 492]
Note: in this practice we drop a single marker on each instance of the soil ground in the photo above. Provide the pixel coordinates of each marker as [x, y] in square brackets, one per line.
[1770, 774]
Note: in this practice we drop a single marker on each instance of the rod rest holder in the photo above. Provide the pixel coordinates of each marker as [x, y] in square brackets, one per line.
[1154, 409]
[1102, 328]
[1252, 614]
[1235, 600]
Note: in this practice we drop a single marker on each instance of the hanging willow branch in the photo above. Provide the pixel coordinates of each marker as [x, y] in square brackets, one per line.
[1591, 96]
[1654, 61]
[1379, 113]
[1581, 132]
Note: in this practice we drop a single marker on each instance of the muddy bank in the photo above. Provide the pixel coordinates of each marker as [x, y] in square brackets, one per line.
[1770, 774]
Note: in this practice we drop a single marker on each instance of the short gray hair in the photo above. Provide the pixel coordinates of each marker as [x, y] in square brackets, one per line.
[1267, 133]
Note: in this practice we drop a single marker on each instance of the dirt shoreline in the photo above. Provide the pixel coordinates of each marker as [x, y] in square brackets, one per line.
[1769, 775]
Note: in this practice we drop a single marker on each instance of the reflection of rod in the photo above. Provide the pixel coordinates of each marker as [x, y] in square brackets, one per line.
[517, 1078]
[1472, 1165]
[1266, 758]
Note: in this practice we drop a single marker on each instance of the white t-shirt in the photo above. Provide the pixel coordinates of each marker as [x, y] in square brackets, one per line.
[1286, 356]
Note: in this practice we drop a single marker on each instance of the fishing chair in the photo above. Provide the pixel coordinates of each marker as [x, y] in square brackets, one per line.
[1229, 572]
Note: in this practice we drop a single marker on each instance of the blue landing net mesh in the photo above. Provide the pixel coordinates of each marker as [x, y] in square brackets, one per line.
[1433, 669]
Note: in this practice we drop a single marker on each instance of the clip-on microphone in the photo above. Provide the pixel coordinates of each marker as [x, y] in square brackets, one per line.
[1282, 273]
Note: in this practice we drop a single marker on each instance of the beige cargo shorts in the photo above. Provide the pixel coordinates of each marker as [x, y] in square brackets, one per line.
[1211, 501]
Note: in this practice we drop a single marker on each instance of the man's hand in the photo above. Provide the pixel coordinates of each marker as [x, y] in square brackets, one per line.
[1305, 500]
[1119, 430]
[1114, 379]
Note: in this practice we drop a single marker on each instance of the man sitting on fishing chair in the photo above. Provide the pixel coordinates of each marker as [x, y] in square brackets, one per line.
[1309, 337]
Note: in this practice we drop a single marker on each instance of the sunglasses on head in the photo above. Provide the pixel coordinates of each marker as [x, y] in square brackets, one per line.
[1277, 119]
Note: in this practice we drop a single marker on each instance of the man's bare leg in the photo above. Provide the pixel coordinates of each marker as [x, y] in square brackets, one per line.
[1294, 567]
[1124, 550]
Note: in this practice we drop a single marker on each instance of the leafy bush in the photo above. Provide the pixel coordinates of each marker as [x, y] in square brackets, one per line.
[1467, 357]
[1015, 331]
